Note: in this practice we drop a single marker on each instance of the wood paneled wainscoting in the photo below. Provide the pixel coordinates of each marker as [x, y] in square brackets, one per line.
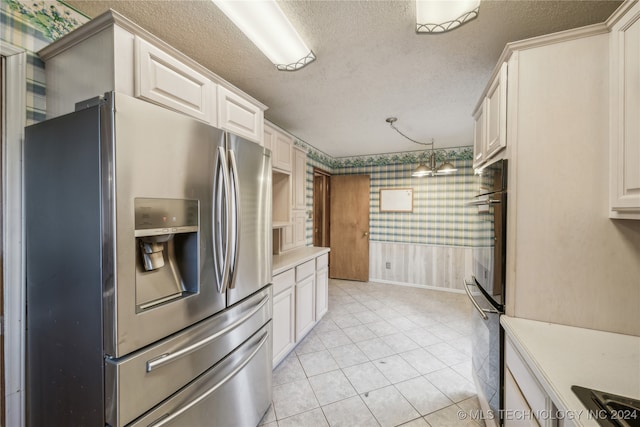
[427, 266]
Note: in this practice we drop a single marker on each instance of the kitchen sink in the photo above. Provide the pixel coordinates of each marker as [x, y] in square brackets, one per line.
[609, 410]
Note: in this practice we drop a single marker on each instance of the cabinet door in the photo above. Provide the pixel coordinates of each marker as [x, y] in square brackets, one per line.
[239, 116]
[267, 140]
[284, 338]
[322, 292]
[305, 306]
[287, 237]
[496, 114]
[517, 410]
[282, 152]
[162, 79]
[625, 110]
[299, 179]
[479, 136]
[299, 228]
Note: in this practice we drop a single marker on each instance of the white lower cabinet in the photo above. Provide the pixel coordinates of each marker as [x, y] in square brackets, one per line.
[322, 285]
[305, 298]
[300, 300]
[284, 312]
[526, 403]
[305, 306]
[519, 413]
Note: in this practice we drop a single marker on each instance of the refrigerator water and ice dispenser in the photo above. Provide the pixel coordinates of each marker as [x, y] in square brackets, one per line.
[166, 232]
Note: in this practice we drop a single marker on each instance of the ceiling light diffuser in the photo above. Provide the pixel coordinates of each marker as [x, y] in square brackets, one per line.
[264, 23]
[439, 16]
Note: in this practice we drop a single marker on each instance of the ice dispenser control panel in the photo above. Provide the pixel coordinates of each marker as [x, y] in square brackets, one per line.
[165, 216]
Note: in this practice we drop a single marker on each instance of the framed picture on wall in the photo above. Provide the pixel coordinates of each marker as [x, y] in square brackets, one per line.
[396, 200]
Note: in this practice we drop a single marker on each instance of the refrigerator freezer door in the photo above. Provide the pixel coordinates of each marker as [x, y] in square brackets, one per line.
[235, 393]
[137, 383]
[250, 170]
[154, 153]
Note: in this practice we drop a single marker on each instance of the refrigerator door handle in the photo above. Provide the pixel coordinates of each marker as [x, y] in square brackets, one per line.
[221, 224]
[170, 357]
[236, 216]
[483, 311]
[170, 417]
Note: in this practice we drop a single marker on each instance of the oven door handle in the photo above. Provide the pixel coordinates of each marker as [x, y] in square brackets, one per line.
[484, 202]
[483, 311]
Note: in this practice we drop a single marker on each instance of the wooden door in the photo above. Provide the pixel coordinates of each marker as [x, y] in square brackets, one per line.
[349, 256]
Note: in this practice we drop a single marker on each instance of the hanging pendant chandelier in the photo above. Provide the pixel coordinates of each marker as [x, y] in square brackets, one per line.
[424, 169]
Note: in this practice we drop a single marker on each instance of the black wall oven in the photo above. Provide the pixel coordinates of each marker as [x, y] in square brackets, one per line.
[486, 288]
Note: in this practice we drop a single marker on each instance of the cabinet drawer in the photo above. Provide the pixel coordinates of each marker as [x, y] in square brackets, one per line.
[283, 281]
[162, 79]
[322, 261]
[531, 389]
[305, 270]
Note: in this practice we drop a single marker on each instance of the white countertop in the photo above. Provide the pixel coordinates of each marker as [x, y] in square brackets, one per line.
[561, 356]
[291, 258]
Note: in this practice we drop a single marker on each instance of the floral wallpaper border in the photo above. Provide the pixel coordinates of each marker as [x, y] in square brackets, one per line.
[53, 18]
[410, 157]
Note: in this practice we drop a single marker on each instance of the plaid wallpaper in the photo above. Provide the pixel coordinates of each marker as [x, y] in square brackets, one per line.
[31, 25]
[439, 215]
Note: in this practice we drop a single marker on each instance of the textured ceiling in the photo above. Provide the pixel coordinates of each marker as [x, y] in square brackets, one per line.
[370, 64]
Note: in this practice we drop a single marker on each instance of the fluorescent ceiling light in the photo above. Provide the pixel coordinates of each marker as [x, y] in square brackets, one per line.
[264, 23]
[439, 16]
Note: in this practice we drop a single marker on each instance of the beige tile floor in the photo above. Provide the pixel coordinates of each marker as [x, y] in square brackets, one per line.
[383, 355]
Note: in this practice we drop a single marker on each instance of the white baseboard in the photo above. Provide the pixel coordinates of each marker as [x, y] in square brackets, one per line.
[416, 285]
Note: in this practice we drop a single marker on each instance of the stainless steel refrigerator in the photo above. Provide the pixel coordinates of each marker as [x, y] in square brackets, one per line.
[148, 264]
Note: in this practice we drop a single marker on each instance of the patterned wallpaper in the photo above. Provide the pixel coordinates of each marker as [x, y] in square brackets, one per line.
[31, 25]
[439, 216]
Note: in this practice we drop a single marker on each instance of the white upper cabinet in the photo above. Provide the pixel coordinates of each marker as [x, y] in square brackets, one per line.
[111, 53]
[490, 119]
[281, 146]
[299, 174]
[239, 116]
[624, 159]
[479, 136]
[496, 114]
[162, 79]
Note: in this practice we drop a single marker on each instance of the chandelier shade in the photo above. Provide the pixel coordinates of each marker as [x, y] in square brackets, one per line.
[423, 169]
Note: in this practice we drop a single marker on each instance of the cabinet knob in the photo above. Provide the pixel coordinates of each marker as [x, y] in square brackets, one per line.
[365, 234]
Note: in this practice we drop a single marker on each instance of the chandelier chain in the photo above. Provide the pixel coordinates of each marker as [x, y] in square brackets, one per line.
[409, 138]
